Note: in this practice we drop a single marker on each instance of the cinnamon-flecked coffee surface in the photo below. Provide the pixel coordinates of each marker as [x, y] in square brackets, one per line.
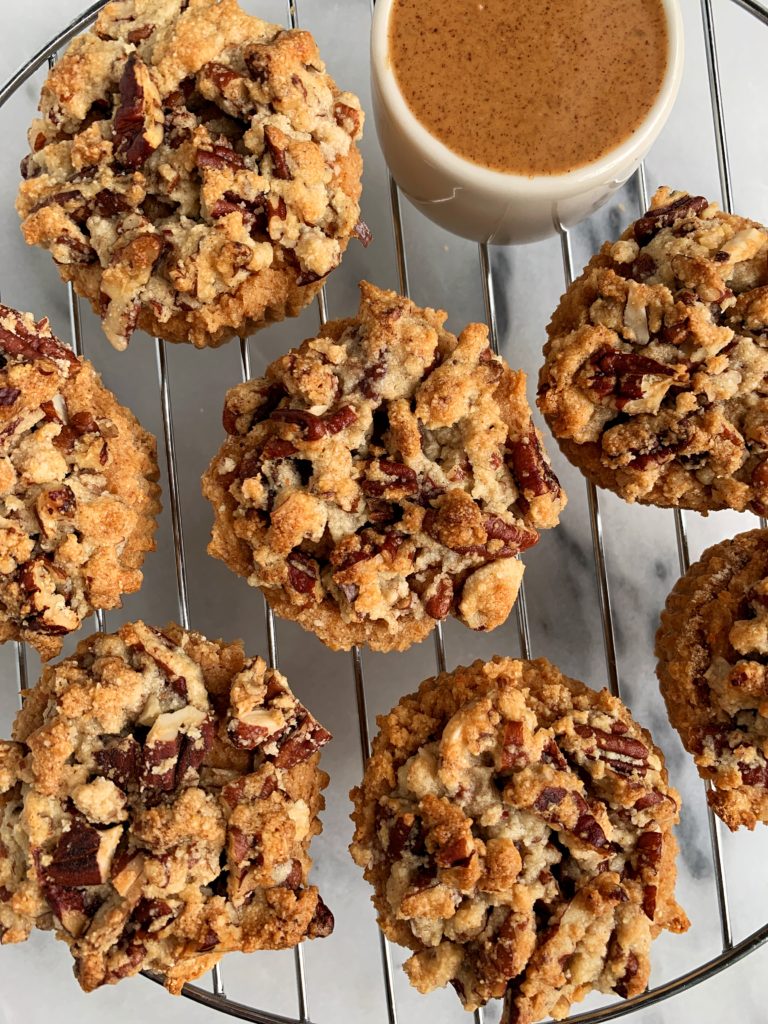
[529, 88]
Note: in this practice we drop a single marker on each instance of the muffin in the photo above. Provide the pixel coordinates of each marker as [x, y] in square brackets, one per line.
[381, 477]
[194, 171]
[712, 645]
[157, 805]
[516, 827]
[78, 491]
[655, 368]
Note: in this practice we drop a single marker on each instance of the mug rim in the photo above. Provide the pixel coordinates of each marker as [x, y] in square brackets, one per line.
[486, 179]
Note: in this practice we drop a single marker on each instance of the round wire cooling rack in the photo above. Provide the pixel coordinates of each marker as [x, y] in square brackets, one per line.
[731, 951]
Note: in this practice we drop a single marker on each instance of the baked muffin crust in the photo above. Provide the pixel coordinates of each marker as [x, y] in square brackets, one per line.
[157, 805]
[78, 491]
[516, 827]
[194, 171]
[382, 476]
[655, 368]
[712, 646]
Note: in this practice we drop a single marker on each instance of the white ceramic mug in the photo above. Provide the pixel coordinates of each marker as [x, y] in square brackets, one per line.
[493, 206]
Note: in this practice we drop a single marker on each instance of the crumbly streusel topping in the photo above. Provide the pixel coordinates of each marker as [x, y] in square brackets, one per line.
[713, 656]
[78, 497]
[516, 827]
[194, 171]
[656, 365]
[382, 476]
[157, 805]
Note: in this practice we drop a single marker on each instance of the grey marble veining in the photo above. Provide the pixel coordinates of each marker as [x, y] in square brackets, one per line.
[343, 972]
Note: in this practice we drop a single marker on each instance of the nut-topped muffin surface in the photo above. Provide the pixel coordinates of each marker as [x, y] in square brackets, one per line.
[194, 170]
[381, 477]
[517, 829]
[78, 491]
[654, 381]
[157, 805]
[712, 646]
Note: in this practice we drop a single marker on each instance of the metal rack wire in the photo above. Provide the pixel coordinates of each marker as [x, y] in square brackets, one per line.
[216, 998]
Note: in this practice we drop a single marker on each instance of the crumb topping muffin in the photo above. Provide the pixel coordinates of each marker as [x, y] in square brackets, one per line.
[516, 827]
[712, 647]
[654, 381]
[381, 477]
[194, 171]
[157, 805]
[78, 497]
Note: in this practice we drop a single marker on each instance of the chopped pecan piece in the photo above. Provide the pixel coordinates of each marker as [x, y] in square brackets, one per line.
[120, 761]
[109, 204]
[622, 373]
[295, 876]
[455, 853]
[245, 848]
[529, 466]
[363, 232]
[193, 752]
[302, 572]
[74, 860]
[8, 395]
[138, 35]
[220, 75]
[275, 448]
[648, 850]
[314, 426]
[403, 480]
[755, 775]
[347, 117]
[322, 921]
[513, 540]
[550, 796]
[68, 905]
[439, 604]
[150, 913]
[622, 754]
[650, 799]
[134, 128]
[405, 832]
[552, 754]
[61, 501]
[337, 421]
[219, 158]
[25, 344]
[512, 753]
[317, 426]
[209, 941]
[666, 216]
[29, 167]
[71, 201]
[621, 987]
[589, 830]
[301, 744]
[272, 139]
[77, 250]
[649, 901]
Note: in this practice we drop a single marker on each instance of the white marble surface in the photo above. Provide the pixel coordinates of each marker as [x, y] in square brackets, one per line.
[343, 973]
